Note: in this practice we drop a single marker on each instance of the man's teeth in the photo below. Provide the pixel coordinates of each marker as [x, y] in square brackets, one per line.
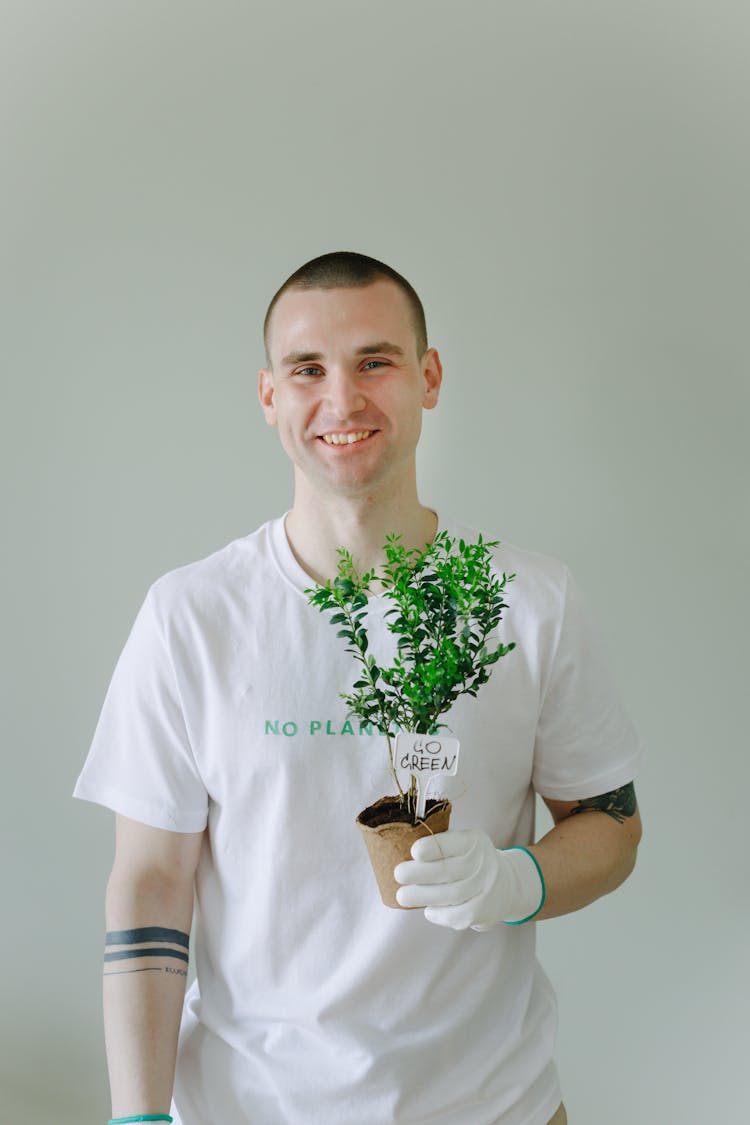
[345, 439]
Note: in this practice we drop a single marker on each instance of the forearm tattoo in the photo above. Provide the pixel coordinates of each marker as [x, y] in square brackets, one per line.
[619, 804]
[125, 949]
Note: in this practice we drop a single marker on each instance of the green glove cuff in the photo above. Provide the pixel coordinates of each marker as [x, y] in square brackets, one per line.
[521, 921]
[141, 1117]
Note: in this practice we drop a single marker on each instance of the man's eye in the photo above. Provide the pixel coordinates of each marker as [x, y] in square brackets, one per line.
[377, 361]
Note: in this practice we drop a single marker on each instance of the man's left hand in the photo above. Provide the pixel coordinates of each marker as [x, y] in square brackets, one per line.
[464, 881]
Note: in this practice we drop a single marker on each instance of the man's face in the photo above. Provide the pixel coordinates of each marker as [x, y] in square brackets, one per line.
[340, 390]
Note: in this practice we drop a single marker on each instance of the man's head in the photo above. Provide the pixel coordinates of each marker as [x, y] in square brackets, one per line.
[347, 349]
[344, 269]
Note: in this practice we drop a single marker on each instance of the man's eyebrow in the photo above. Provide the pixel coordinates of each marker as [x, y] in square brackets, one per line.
[385, 347]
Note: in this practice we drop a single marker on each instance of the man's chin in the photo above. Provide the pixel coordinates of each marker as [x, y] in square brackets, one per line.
[336, 483]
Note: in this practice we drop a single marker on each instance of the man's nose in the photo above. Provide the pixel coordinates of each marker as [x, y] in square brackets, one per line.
[344, 394]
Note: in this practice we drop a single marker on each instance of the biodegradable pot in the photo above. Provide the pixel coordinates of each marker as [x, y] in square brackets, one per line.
[389, 843]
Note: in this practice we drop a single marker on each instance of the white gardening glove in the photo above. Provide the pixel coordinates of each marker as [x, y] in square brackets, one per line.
[464, 881]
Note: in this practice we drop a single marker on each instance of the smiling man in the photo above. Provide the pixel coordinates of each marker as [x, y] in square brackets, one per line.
[350, 364]
[221, 749]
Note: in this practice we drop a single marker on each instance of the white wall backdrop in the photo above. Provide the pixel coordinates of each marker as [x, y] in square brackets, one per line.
[566, 186]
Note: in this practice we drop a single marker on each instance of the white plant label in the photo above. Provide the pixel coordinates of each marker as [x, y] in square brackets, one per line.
[424, 757]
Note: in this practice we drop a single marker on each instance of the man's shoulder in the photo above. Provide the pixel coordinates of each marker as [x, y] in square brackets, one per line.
[217, 576]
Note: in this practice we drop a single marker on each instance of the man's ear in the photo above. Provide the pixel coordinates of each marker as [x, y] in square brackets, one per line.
[266, 393]
[433, 376]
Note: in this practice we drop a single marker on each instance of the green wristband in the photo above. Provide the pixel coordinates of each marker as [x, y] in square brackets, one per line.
[141, 1117]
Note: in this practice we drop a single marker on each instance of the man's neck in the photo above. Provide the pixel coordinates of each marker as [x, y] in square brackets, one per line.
[315, 536]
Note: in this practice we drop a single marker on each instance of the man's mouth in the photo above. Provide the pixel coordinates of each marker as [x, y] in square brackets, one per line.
[342, 442]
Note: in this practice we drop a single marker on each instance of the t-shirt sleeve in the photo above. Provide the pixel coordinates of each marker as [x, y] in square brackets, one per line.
[140, 762]
[585, 742]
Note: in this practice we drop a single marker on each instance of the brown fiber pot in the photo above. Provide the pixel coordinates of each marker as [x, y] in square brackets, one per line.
[390, 844]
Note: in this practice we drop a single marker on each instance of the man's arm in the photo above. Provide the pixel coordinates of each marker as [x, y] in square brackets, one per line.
[590, 851]
[149, 911]
[463, 881]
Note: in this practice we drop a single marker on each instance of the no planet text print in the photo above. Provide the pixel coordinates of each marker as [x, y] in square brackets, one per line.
[424, 757]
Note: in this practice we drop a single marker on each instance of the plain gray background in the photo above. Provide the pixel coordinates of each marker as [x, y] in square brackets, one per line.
[566, 186]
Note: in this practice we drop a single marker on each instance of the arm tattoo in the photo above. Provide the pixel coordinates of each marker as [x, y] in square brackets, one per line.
[148, 941]
[147, 933]
[618, 804]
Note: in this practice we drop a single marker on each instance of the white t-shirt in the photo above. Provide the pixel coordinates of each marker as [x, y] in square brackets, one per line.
[315, 1004]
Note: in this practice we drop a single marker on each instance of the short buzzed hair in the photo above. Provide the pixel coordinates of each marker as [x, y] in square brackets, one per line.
[345, 269]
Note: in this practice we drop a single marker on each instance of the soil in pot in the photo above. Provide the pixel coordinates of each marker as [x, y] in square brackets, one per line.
[389, 838]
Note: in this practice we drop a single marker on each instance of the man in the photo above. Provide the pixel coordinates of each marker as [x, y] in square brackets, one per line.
[223, 750]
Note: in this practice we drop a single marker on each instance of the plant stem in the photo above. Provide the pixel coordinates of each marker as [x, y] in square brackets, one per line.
[393, 766]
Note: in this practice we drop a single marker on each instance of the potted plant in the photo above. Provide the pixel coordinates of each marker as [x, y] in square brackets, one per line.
[447, 602]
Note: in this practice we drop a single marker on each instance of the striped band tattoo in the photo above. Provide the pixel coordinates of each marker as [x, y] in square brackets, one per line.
[148, 933]
[145, 942]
